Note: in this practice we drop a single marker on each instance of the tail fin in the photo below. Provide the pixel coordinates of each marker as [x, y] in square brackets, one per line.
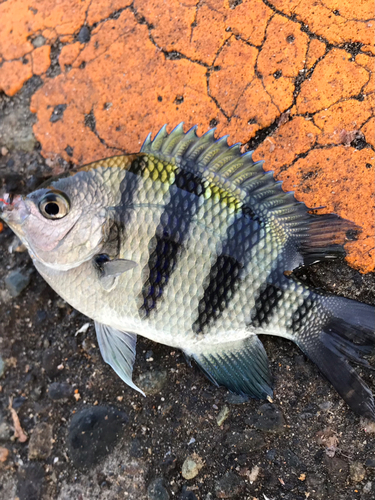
[346, 334]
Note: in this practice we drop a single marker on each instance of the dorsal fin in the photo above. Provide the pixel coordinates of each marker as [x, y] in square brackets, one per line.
[314, 237]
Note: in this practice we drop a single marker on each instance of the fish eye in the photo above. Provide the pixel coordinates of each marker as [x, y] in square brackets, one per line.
[54, 205]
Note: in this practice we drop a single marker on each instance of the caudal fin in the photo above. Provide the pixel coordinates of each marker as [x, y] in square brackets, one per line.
[346, 334]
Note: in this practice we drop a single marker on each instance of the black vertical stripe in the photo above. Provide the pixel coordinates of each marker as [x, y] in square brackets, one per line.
[224, 276]
[167, 245]
[268, 298]
[222, 283]
[299, 317]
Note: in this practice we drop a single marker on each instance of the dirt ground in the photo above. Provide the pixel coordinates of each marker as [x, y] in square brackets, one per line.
[88, 436]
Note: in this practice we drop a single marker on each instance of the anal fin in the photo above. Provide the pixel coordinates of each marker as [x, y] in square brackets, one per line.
[240, 366]
[118, 350]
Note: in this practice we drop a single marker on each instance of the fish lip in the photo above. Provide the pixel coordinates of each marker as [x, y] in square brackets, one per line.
[15, 210]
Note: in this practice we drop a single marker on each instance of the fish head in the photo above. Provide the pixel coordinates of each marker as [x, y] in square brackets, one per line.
[62, 224]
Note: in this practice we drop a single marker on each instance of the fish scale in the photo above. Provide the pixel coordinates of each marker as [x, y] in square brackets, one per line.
[191, 244]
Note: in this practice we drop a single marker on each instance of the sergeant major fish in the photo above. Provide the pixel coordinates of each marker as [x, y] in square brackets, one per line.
[191, 244]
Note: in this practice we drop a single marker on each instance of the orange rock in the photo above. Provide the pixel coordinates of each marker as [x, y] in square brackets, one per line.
[290, 140]
[342, 119]
[69, 54]
[247, 19]
[41, 59]
[342, 180]
[369, 130]
[229, 82]
[284, 49]
[335, 77]
[327, 19]
[14, 74]
[316, 50]
[98, 11]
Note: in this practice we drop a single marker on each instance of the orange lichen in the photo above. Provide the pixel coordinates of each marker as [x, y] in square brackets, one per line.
[41, 59]
[14, 74]
[335, 77]
[129, 67]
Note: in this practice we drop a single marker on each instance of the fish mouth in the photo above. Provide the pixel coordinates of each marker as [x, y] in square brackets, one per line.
[13, 210]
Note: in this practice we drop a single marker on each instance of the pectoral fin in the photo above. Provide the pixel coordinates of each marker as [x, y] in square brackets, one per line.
[118, 350]
[240, 366]
[117, 267]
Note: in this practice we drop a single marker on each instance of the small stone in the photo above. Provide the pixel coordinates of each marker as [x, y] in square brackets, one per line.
[16, 281]
[316, 486]
[4, 151]
[152, 382]
[93, 433]
[370, 462]
[367, 487]
[229, 486]
[223, 415]
[236, 399]
[191, 466]
[39, 41]
[40, 445]
[4, 453]
[157, 490]
[244, 442]
[357, 472]
[269, 419]
[5, 432]
[50, 362]
[60, 391]
[30, 482]
[84, 35]
[2, 367]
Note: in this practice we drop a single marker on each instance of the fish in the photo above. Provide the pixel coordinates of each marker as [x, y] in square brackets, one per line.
[190, 243]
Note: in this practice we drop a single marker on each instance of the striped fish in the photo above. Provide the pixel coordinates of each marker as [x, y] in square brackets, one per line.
[191, 244]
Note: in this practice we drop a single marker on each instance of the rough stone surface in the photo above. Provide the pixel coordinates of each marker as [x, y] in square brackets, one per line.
[157, 491]
[229, 486]
[16, 282]
[191, 466]
[40, 445]
[60, 391]
[93, 432]
[269, 418]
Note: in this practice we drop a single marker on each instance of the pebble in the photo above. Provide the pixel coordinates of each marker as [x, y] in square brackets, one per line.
[60, 391]
[50, 362]
[5, 432]
[370, 462]
[244, 442]
[367, 487]
[40, 445]
[16, 281]
[269, 418]
[84, 35]
[30, 482]
[223, 415]
[357, 472]
[39, 41]
[187, 494]
[93, 433]
[4, 453]
[157, 491]
[229, 486]
[2, 367]
[152, 382]
[4, 151]
[191, 466]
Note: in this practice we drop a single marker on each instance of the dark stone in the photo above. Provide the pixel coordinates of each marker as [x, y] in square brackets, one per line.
[229, 486]
[136, 448]
[60, 391]
[16, 282]
[187, 494]
[18, 402]
[57, 113]
[157, 490]
[84, 35]
[244, 442]
[292, 460]
[337, 469]
[30, 481]
[269, 419]
[93, 433]
[370, 462]
[316, 484]
[51, 360]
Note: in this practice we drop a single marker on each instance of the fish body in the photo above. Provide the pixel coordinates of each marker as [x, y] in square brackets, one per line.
[191, 244]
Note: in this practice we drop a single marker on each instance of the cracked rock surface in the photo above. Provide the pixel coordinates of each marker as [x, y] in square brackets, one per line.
[82, 80]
